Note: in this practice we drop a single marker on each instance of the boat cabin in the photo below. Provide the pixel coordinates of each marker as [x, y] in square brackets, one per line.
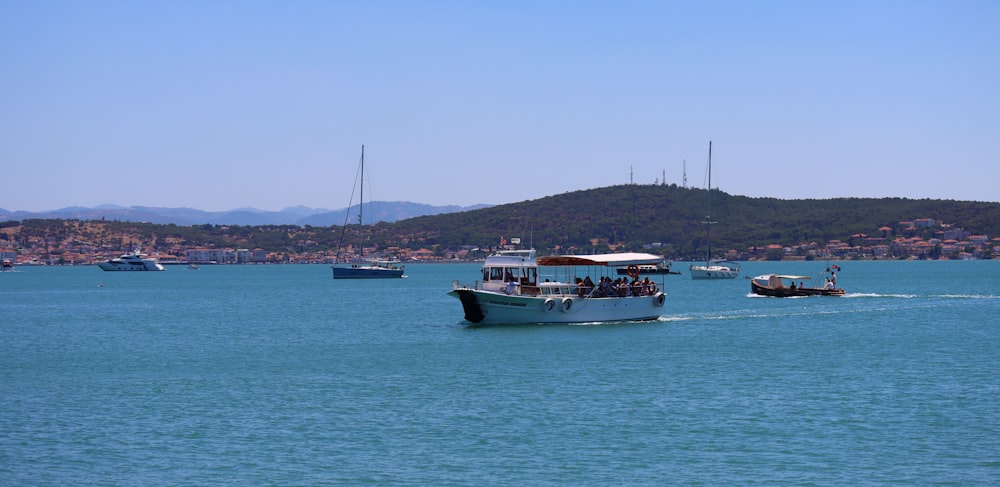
[510, 271]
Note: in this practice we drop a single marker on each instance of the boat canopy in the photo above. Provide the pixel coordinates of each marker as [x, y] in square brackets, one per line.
[782, 276]
[623, 259]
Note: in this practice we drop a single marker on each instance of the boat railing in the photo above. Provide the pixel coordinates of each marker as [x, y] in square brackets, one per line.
[553, 289]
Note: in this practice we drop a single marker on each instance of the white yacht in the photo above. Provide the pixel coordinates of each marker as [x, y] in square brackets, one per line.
[133, 261]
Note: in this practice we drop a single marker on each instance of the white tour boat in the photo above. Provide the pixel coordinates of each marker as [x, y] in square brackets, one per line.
[133, 261]
[516, 287]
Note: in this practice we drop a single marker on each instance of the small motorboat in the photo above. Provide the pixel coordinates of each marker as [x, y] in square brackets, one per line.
[783, 286]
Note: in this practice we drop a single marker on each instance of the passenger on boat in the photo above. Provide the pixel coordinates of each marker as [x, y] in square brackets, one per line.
[621, 286]
[829, 284]
[792, 287]
[606, 286]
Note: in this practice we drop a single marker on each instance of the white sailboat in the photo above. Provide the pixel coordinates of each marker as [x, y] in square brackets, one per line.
[362, 268]
[713, 269]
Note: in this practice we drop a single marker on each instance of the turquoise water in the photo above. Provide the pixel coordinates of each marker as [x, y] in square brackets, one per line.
[279, 375]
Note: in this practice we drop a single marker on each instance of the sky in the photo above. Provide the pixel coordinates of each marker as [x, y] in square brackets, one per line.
[224, 104]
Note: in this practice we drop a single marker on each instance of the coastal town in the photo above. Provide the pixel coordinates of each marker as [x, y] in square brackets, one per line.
[887, 243]
[922, 238]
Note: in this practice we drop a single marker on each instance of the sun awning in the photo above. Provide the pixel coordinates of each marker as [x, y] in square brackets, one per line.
[618, 260]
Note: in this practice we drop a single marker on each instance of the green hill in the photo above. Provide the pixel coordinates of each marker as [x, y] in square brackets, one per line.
[638, 215]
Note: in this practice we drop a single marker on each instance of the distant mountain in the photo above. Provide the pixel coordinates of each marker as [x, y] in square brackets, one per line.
[382, 211]
[375, 211]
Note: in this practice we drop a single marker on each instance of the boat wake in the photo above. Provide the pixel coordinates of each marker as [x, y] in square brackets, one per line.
[968, 296]
[754, 314]
[622, 322]
[876, 295]
[846, 296]
[914, 296]
[671, 319]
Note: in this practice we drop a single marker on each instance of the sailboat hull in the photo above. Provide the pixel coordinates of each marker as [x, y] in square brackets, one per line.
[713, 272]
[366, 272]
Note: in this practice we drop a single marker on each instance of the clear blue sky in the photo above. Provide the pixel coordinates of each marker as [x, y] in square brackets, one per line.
[226, 104]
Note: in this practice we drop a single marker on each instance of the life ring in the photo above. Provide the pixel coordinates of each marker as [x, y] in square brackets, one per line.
[549, 305]
[659, 299]
[567, 305]
[633, 271]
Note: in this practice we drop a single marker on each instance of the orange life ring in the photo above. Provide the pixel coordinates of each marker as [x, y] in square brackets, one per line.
[633, 271]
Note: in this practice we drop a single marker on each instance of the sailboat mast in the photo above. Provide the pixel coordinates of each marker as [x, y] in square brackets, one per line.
[361, 208]
[708, 216]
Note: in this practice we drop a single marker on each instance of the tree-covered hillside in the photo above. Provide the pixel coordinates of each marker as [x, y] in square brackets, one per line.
[637, 215]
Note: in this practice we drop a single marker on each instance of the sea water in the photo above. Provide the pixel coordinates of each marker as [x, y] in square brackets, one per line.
[280, 375]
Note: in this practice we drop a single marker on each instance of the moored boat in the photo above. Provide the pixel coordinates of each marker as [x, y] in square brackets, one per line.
[784, 286]
[362, 267]
[516, 287]
[133, 261]
[648, 269]
[371, 269]
[712, 269]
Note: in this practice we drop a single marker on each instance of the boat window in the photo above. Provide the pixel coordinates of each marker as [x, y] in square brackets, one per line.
[496, 274]
[531, 274]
